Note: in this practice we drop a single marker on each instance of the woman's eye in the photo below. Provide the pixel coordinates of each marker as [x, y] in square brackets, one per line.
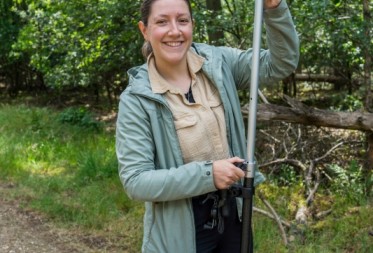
[184, 21]
[161, 22]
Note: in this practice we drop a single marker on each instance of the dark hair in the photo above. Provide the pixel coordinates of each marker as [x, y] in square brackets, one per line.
[145, 13]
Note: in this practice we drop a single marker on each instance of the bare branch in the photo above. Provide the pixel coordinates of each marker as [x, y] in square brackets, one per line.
[293, 162]
[277, 218]
[316, 160]
[312, 193]
[269, 136]
[267, 214]
[323, 214]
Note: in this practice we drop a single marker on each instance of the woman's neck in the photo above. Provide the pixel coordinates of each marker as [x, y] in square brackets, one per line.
[177, 75]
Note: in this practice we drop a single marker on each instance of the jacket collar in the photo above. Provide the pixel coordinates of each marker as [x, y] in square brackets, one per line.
[139, 82]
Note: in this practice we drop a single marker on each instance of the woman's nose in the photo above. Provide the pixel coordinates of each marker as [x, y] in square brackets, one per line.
[174, 29]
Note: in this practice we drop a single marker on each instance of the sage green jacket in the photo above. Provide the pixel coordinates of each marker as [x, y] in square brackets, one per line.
[151, 166]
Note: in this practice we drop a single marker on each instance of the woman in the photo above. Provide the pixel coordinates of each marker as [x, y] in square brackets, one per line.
[180, 130]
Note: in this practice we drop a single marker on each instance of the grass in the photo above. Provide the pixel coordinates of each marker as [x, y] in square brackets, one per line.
[67, 171]
[63, 165]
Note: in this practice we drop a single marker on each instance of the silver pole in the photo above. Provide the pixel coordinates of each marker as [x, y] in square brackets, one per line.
[251, 131]
[248, 189]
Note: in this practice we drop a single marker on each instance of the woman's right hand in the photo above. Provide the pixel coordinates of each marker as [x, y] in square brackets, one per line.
[226, 173]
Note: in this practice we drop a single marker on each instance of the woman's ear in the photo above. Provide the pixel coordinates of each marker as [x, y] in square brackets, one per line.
[143, 30]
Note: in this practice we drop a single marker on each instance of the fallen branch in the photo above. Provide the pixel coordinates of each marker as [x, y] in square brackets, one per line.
[277, 218]
[319, 78]
[267, 214]
[293, 162]
[303, 114]
[323, 214]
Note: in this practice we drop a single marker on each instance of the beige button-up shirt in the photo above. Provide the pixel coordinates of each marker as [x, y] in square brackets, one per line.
[201, 125]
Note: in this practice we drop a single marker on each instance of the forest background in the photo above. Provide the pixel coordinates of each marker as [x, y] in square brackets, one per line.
[63, 66]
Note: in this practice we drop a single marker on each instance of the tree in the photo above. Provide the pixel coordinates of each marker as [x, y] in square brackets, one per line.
[14, 70]
[330, 37]
[216, 36]
[367, 51]
[81, 43]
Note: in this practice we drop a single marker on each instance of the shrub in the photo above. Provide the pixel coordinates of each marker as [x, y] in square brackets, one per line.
[79, 116]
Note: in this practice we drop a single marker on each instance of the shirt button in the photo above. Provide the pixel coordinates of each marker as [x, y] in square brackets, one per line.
[208, 173]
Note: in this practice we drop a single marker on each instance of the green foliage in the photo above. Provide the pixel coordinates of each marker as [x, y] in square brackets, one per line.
[331, 34]
[90, 206]
[79, 116]
[349, 103]
[71, 175]
[92, 43]
[65, 172]
[345, 229]
[79, 42]
[286, 176]
[11, 68]
[349, 182]
[235, 20]
[95, 166]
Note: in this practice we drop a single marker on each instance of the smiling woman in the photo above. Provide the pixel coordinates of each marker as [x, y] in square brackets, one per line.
[180, 130]
[169, 31]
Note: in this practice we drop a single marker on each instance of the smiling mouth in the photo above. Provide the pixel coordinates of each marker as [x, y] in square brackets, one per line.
[173, 44]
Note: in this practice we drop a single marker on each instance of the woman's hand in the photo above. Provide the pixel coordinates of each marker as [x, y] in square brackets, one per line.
[271, 4]
[226, 173]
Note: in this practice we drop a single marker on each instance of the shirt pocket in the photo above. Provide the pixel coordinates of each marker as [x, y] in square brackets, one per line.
[215, 103]
[216, 106]
[190, 134]
[184, 121]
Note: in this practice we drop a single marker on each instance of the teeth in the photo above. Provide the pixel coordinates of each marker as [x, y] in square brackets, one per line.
[173, 44]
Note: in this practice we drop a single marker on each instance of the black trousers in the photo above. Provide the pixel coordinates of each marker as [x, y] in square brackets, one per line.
[210, 240]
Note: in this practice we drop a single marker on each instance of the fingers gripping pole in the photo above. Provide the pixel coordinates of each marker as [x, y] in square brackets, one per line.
[247, 242]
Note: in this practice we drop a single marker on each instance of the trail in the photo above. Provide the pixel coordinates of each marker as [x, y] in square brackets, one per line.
[23, 231]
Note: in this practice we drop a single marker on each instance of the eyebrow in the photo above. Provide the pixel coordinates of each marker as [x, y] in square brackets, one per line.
[178, 15]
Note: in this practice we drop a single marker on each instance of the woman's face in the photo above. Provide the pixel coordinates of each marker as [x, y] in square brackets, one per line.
[169, 31]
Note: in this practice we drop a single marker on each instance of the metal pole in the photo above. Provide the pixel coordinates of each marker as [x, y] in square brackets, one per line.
[247, 242]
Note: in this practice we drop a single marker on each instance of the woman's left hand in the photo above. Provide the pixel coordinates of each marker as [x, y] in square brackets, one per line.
[271, 4]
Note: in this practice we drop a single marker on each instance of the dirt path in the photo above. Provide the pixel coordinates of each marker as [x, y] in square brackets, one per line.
[20, 232]
[27, 232]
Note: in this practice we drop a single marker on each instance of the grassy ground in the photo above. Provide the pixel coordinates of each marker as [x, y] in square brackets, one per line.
[63, 164]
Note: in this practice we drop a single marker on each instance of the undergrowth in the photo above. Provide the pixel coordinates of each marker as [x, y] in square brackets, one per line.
[63, 164]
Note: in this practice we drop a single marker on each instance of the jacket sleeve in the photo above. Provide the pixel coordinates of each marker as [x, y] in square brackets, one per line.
[143, 176]
[279, 60]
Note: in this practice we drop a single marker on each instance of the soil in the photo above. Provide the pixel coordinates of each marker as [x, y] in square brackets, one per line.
[23, 230]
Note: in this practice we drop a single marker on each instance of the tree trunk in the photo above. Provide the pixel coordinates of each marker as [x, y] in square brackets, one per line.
[320, 78]
[369, 163]
[290, 85]
[217, 35]
[367, 55]
[302, 114]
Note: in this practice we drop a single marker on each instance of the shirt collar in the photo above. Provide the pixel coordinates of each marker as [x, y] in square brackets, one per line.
[160, 85]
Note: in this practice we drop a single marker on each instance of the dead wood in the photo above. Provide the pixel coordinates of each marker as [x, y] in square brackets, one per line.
[269, 215]
[323, 214]
[309, 165]
[319, 78]
[276, 218]
[303, 114]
